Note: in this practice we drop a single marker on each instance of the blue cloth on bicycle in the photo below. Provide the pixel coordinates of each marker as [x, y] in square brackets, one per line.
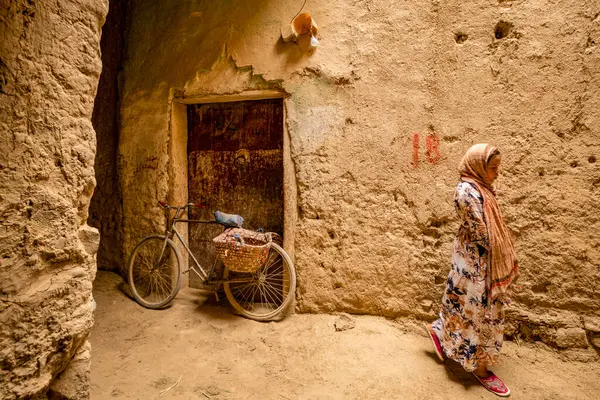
[230, 220]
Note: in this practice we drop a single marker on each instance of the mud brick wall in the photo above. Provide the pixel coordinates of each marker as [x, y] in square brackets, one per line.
[49, 70]
[378, 117]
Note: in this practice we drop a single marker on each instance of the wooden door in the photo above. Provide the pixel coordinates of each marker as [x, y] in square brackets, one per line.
[235, 165]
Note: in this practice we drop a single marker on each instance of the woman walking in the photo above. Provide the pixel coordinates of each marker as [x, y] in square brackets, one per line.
[484, 264]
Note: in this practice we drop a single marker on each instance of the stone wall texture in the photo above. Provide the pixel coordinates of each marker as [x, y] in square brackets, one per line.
[378, 119]
[49, 70]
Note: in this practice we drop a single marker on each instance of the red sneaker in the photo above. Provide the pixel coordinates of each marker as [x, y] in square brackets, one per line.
[494, 385]
[437, 347]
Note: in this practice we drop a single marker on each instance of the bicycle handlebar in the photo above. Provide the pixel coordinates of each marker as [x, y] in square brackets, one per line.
[165, 205]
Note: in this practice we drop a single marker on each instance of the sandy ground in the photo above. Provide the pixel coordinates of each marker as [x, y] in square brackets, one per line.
[212, 353]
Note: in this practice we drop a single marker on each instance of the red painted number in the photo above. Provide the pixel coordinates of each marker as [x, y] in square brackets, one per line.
[432, 148]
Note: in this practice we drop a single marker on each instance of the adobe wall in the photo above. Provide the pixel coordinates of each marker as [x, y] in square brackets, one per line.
[378, 118]
[49, 70]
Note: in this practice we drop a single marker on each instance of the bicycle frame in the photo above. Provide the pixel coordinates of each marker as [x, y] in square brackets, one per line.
[169, 233]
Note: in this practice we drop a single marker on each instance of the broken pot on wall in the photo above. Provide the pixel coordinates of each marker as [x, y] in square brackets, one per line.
[302, 27]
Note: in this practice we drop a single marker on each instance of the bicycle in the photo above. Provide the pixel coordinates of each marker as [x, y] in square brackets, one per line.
[155, 272]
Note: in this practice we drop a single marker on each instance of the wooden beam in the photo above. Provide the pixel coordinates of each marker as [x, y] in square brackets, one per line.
[225, 98]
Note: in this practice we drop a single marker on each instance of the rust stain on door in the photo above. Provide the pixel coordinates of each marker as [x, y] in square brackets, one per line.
[235, 164]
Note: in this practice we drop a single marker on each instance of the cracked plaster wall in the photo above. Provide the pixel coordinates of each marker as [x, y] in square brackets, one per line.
[49, 70]
[375, 226]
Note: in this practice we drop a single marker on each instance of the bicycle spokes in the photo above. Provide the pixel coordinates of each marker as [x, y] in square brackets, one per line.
[154, 272]
[266, 292]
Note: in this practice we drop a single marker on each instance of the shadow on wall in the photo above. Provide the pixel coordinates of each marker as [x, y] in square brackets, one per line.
[105, 212]
[188, 37]
[295, 51]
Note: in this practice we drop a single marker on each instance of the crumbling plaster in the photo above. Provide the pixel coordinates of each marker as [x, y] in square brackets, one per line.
[375, 214]
[49, 70]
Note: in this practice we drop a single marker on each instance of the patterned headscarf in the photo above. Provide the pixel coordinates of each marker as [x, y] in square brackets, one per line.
[502, 265]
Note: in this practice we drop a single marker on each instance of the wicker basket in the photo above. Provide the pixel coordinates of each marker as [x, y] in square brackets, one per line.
[242, 257]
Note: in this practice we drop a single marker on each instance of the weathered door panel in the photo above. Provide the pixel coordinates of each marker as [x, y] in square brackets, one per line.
[235, 164]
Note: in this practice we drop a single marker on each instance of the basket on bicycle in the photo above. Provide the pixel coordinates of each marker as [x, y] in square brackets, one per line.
[242, 250]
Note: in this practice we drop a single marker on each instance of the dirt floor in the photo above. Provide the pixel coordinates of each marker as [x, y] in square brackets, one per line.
[209, 352]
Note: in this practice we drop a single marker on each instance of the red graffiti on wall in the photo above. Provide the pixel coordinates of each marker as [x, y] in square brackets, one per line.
[432, 148]
[432, 143]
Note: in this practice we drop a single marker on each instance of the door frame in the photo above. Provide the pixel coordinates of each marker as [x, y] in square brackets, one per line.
[178, 158]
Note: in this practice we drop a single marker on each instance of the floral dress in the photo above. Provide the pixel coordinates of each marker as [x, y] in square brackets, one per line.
[470, 332]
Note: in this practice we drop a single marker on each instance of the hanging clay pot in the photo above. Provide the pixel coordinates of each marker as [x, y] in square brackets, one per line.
[302, 24]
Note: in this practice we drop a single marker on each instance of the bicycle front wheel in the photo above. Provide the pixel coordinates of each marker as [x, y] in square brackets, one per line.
[266, 293]
[155, 272]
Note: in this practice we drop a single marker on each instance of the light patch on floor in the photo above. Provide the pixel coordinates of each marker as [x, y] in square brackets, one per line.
[209, 352]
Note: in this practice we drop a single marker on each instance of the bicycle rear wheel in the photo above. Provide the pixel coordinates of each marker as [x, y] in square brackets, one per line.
[266, 293]
[155, 272]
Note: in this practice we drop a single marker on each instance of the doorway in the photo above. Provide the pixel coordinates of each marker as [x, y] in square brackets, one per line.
[236, 165]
